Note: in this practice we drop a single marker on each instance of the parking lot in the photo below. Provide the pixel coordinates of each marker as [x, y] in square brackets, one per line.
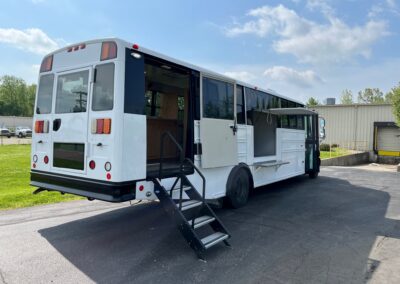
[343, 227]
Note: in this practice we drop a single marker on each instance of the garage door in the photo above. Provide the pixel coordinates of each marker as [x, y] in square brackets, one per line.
[389, 141]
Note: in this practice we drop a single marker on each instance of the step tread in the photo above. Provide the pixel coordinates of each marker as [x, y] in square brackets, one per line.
[177, 188]
[214, 239]
[189, 204]
[201, 221]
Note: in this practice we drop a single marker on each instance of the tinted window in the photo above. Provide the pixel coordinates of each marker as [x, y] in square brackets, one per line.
[217, 99]
[72, 91]
[45, 94]
[300, 122]
[134, 84]
[275, 102]
[240, 110]
[103, 89]
[68, 155]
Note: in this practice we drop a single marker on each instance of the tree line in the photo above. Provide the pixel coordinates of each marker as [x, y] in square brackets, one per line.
[17, 98]
[369, 96]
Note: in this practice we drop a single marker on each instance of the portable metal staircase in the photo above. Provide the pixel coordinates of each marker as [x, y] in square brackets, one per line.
[197, 222]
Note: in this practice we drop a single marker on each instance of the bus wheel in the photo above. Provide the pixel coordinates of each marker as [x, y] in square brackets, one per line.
[238, 188]
[313, 175]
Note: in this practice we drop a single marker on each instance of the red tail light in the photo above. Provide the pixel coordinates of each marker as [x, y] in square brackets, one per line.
[108, 50]
[92, 165]
[101, 126]
[41, 126]
[47, 64]
[46, 159]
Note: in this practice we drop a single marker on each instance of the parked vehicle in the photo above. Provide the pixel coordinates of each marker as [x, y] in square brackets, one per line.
[23, 131]
[124, 123]
[5, 132]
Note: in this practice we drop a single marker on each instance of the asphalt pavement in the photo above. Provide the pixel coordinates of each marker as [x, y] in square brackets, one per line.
[343, 227]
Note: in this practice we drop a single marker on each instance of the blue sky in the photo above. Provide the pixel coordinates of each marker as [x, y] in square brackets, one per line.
[299, 48]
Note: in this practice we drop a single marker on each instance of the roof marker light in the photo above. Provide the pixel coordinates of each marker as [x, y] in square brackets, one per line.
[47, 64]
[108, 50]
[135, 46]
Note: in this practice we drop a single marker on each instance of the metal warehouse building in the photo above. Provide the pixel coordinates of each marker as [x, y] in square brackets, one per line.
[364, 127]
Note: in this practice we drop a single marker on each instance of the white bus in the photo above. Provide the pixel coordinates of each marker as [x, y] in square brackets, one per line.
[116, 122]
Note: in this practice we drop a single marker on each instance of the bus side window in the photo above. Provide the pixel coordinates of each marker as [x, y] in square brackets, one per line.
[240, 110]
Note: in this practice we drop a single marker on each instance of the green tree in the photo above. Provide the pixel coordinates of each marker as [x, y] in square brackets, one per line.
[347, 97]
[389, 97]
[31, 94]
[394, 97]
[371, 96]
[16, 98]
[312, 102]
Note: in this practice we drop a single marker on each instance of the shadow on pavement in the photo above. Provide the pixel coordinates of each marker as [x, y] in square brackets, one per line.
[299, 230]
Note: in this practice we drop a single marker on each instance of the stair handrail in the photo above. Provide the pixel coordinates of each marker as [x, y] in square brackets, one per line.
[199, 173]
[168, 134]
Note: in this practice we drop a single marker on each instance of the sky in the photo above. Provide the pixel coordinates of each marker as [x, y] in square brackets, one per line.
[299, 48]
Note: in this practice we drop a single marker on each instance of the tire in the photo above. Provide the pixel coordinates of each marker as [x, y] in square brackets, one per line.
[9, 136]
[238, 187]
[313, 175]
[20, 135]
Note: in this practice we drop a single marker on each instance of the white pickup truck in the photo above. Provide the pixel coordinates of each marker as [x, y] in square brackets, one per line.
[22, 131]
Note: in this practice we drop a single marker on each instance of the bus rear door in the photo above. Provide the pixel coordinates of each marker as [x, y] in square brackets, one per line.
[70, 121]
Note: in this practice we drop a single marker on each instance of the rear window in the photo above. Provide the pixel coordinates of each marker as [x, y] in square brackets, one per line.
[69, 155]
[72, 92]
[103, 92]
[45, 94]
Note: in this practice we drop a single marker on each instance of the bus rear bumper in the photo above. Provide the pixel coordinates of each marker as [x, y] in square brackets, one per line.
[94, 189]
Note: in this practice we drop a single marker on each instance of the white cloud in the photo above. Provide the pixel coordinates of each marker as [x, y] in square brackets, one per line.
[241, 75]
[310, 41]
[303, 79]
[321, 5]
[391, 3]
[33, 40]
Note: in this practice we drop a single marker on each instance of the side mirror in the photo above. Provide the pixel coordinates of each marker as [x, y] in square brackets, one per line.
[322, 133]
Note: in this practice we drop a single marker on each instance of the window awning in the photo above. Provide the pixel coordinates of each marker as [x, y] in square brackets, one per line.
[292, 111]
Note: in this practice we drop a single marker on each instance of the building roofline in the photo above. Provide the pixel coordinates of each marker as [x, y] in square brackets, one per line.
[352, 105]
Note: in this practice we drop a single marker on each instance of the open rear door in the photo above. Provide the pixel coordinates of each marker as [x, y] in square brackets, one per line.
[218, 123]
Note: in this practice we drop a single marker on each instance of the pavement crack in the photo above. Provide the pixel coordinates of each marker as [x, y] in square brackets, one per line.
[381, 241]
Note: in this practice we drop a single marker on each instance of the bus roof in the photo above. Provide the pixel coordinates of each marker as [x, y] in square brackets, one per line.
[182, 63]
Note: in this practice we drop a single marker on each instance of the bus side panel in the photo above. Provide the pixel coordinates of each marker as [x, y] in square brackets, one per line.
[291, 148]
[134, 147]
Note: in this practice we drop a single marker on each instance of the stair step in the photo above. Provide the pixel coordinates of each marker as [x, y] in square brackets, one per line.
[201, 221]
[189, 204]
[178, 188]
[214, 239]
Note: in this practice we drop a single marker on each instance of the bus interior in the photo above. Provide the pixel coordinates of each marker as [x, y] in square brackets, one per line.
[167, 90]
